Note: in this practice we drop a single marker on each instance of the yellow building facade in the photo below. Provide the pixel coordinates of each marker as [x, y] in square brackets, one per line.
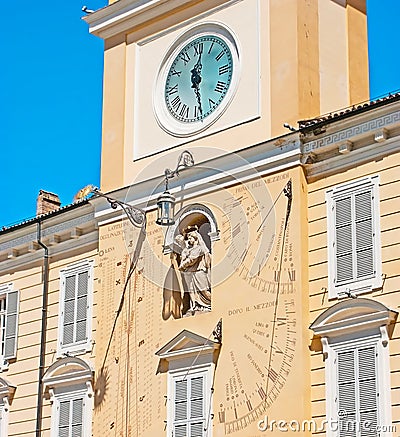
[269, 303]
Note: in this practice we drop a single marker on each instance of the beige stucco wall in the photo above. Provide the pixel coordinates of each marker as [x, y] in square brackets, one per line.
[388, 169]
[23, 372]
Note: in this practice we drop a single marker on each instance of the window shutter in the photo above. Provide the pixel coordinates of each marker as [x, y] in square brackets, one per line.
[368, 389]
[189, 407]
[75, 310]
[77, 418]
[69, 310]
[196, 397]
[181, 399]
[63, 419]
[364, 234]
[10, 349]
[344, 240]
[81, 306]
[347, 406]
[357, 391]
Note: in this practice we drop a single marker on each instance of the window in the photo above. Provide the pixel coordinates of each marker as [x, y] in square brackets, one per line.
[354, 262]
[68, 384]
[69, 415]
[354, 338]
[189, 404]
[75, 308]
[357, 390]
[6, 397]
[9, 304]
[190, 359]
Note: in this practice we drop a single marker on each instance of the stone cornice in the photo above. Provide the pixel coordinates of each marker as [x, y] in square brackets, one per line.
[207, 176]
[338, 145]
[71, 231]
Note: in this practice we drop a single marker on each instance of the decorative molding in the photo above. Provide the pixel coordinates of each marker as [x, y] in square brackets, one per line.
[346, 134]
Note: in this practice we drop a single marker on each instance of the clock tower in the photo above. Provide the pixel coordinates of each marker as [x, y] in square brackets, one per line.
[264, 63]
[203, 326]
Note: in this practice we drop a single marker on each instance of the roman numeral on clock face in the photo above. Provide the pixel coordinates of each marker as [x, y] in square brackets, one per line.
[184, 56]
[223, 69]
[198, 49]
[176, 103]
[220, 87]
[184, 111]
[219, 56]
[172, 90]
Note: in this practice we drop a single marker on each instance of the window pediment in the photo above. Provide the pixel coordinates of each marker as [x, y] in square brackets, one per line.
[351, 317]
[187, 343]
[67, 371]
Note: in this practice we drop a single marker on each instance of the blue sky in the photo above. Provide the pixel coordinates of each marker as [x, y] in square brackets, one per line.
[50, 96]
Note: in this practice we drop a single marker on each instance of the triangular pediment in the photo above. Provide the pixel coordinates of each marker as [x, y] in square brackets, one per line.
[185, 343]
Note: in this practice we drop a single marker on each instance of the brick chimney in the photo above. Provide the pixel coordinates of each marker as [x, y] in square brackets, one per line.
[47, 202]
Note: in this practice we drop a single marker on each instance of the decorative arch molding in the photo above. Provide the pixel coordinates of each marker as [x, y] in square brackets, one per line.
[352, 318]
[200, 214]
[67, 372]
[7, 391]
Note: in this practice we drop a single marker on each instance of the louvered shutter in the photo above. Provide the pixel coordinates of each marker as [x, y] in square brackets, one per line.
[69, 310]
[368, 390]
[81, 306]
[75, 309]
[77, 418]
[12, 305]
[347, 405]
[364, 234]
[189, 407]
[70, 420]
[344, 240]
[357, 391]
[63, 418]
[354, 237]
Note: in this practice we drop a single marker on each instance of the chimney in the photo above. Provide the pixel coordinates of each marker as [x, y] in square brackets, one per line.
[47, 202]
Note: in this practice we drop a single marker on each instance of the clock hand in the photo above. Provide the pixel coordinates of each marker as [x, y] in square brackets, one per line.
[196, 79]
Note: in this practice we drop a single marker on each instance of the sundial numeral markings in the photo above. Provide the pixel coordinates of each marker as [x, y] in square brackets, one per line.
[292, 275]
[272, 375]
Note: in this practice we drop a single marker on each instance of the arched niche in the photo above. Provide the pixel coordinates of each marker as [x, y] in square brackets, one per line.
[193, 215]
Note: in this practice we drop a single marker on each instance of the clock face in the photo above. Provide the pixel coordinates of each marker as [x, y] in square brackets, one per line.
[197, 80]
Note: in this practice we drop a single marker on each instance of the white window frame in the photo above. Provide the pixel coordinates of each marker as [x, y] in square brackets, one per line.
[205, 371]
[67, 379]
[382, 382]
[86, 411]
[5, 291]
[4, 410]
[374, 281]
[78, 347]
[353, 324]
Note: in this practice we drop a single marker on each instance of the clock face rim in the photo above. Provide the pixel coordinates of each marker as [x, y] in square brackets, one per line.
[164, 118]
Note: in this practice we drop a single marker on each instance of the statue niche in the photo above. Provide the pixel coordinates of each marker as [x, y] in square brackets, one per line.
[187, 286]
